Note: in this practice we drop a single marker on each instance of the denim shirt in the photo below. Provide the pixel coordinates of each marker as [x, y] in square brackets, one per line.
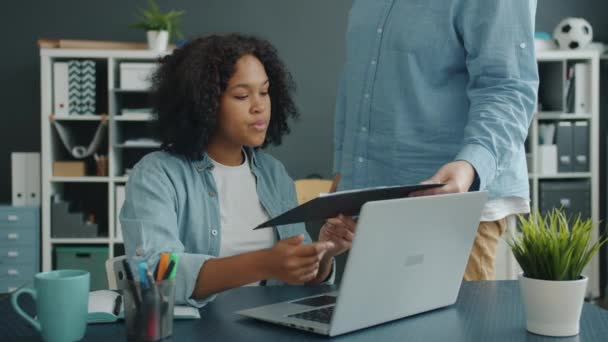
[427, 82]
[172, 205]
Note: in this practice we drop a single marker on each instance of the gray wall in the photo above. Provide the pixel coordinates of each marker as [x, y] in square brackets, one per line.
[309, 35]
[550, 13]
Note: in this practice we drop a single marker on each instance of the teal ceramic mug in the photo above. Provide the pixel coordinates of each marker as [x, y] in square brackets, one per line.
[62, 299]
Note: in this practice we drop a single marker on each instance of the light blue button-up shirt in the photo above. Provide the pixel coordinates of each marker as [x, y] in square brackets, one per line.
[172, 205]
[431, 81]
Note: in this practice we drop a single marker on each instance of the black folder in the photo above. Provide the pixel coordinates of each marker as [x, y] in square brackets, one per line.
[344, 202]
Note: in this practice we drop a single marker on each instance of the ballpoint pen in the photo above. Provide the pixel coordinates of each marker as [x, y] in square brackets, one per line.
[169, 270]
[131, 280]
[142, 268]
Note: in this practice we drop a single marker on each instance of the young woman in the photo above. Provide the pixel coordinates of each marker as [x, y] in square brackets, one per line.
[219, 99]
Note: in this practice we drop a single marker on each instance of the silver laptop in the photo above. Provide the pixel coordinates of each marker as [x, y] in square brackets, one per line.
[408, 257]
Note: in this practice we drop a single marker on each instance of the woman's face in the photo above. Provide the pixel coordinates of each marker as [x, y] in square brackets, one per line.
[244, 112]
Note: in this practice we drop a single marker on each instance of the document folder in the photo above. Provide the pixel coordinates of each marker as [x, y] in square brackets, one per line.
[344, 202]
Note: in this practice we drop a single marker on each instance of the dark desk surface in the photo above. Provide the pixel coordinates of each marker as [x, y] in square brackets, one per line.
[485, 311]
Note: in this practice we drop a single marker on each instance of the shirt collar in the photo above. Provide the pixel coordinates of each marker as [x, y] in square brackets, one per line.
[205, 162]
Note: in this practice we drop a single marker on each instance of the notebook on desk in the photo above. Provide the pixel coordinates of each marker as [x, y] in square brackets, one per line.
[343, 202]
[106, 306]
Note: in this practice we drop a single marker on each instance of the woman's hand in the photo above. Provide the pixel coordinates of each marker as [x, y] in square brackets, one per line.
[339, 230]
[294, 263]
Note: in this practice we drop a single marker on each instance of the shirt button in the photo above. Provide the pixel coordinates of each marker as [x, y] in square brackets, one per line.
[522, 45]
[366, 95]
[360, 159]
[211, 193]
[139, 251]
[363, 129]
[379, 31]
[214, 232]
[373, 62]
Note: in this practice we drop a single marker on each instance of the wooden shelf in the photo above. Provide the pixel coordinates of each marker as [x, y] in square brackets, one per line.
[138, 118]
[569, 175]
[126, 91]
[561, 55]
[143, 146]
[77, 241]
[91, 179]
[102, 54]
[562, 116]
[74, 117]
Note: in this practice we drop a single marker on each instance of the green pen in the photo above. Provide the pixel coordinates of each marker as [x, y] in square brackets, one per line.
[175, 259]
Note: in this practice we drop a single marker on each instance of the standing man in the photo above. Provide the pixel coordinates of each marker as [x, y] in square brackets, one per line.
[441, 91]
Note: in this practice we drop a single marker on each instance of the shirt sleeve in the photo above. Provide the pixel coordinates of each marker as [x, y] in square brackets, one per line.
[300, 228]
[498, 38]
[149, 222]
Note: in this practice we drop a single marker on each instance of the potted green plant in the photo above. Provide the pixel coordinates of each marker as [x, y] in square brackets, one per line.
[159, 25]
[552, 252]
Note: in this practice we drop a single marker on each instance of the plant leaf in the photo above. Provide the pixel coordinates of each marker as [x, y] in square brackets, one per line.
[554, 246]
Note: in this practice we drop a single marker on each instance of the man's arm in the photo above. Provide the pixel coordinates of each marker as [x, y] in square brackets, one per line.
[498, 37]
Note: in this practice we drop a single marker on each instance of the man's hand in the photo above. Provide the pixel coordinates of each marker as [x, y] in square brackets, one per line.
[458, 176]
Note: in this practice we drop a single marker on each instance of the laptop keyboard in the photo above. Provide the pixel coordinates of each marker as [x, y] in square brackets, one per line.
[322, 315]
[317, 301]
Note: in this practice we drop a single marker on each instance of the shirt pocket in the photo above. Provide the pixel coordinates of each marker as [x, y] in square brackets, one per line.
[416, 27]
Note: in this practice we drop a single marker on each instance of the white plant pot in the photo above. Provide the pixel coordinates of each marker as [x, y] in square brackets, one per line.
[553, 308]
[158, 40]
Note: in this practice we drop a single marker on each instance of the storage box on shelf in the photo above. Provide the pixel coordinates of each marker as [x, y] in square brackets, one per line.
[89, 258]
[136, 76]
[19, 246]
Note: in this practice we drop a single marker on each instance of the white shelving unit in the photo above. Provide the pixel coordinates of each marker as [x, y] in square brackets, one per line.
[559, 61]
[116, 134]
[554, 66]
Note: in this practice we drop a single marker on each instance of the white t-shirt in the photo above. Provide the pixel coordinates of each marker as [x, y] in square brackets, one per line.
[240, 210]
[504, 207]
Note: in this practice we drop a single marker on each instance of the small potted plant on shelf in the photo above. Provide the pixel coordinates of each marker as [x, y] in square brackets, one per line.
[159, 25]
[552, 252]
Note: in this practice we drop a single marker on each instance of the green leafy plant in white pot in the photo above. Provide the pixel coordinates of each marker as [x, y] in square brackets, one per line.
[160, 26]
[552, 252]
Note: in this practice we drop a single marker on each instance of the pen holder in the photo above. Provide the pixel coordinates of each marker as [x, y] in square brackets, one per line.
[149, 312]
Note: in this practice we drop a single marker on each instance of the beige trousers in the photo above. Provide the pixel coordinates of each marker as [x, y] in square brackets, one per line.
[482, 261]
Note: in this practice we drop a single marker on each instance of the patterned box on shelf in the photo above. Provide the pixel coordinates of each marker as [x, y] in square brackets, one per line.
[81, 87]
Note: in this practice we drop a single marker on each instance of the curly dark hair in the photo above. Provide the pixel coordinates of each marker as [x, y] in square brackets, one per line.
[188, 85]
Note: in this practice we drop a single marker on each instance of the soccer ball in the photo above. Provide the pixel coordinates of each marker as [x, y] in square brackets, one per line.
[573, 33]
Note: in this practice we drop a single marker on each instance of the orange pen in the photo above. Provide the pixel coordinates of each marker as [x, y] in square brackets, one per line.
[162, 266]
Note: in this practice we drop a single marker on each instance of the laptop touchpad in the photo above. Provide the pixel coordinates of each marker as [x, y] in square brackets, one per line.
[317, 301]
